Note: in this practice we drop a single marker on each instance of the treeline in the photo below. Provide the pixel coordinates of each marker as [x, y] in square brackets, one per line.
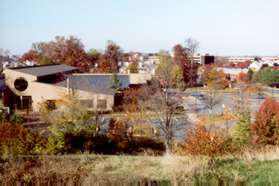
[71, 51]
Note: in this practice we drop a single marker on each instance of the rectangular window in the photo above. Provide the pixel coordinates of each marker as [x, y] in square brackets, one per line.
[87, 103]
[102, 104]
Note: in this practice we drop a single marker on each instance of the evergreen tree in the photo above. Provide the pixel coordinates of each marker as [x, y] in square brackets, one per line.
[116, 84]
[241, 131]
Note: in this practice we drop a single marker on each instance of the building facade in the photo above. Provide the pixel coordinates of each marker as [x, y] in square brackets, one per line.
[27, 87]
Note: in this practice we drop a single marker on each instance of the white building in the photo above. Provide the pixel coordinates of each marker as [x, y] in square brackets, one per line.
[232, 73]
[257, 65]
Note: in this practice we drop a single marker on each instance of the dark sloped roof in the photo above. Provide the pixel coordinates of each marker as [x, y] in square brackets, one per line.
[98, 83]
[45, 70]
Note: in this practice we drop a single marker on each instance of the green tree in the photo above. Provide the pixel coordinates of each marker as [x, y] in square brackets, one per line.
[241, 131]
[116, 84]
[177, 77]
[267, 76]
[250, 74]
[168, 73]
[163, 71]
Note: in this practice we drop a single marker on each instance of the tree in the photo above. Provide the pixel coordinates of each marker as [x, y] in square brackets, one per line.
[212, 99]
[161, 107]
[112, 56]
[103, 65]
[241, 131]
[133, 67]
[177, 77]
[163, 71]
[116, 84]
[267, 76]
[31, 55]
[93, 56]
[203, 141]
[215, 80]
[241, 101]
[17, 140]
[171, 73]
[69, 51]
[160, 110]
[265, 129]
[192, 45]
[70, 119]
[243, 77]
[181, 57]
[250, 74]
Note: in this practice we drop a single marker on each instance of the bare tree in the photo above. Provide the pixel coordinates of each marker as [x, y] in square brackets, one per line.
[162, 110]
[212, 99]
[192, 45]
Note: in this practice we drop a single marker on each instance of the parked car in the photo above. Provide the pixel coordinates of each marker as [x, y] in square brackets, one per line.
[258, 96]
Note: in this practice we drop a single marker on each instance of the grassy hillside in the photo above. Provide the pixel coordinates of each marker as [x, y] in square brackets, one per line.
[250, 167]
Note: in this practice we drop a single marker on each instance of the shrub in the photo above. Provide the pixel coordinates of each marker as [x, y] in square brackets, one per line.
[16, 118]
[122, 140]
[201, 141]
[15, 140]
[72, 121]
[69, 140]
[45, 108]
[241, 131]
[265, 129]
[116, 141]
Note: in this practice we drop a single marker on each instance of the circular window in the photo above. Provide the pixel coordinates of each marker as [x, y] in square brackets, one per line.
[21, 84]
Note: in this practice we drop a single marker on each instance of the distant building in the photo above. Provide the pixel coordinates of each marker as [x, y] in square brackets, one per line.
[258, 64]
[207, 59]
[147, 63]
[232, 73]
[239, 59]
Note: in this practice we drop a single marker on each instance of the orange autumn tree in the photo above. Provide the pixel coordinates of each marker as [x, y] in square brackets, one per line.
[243, 77]
[211, 142]
[265, 129]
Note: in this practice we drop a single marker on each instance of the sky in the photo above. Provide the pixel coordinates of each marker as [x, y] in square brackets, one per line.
[222, 27]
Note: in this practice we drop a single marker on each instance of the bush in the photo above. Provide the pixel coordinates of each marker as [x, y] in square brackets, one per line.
[16, 118]
[120, 140]
[71, 121]
[200, 141]
[15, 140]
[116, 141]
[241, 131]
[265, 129]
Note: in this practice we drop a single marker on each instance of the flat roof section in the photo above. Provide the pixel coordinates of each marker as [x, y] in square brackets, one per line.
[45, 70]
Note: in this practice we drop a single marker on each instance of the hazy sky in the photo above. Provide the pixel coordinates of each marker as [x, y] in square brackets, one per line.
[224, 27]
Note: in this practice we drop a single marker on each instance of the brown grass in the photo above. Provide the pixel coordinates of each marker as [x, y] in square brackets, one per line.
[91, 169]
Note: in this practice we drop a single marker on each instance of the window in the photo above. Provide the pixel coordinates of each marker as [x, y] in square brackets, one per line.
[102, 104]
[21, 84]
[87, 103]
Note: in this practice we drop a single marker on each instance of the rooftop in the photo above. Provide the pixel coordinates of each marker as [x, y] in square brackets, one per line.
[98, 83]
[44, 70]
